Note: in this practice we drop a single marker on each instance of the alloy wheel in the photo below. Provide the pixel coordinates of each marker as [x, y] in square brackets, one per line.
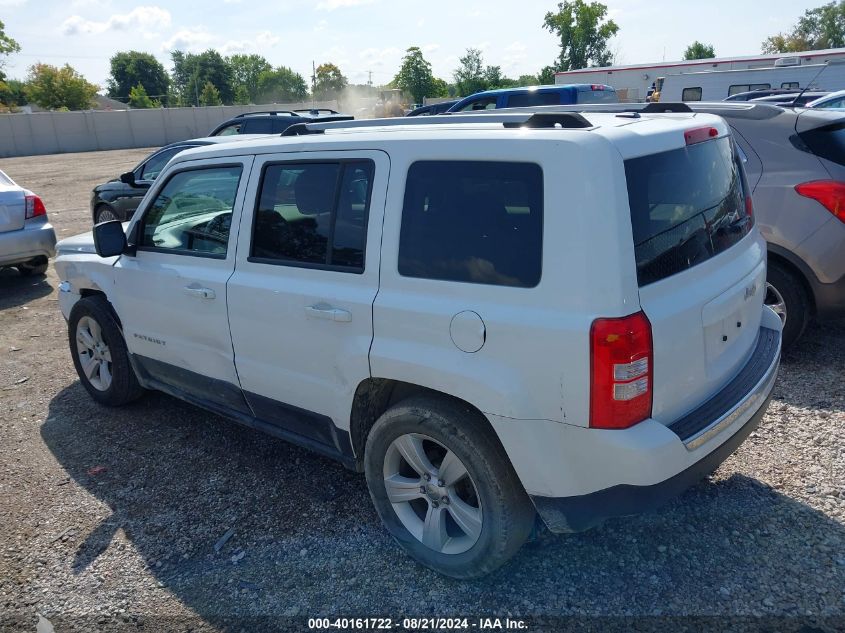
[94, 354]
[775, 301]
[432, 493]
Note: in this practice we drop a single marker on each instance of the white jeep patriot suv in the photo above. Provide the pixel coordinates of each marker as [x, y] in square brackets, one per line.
[492, 318]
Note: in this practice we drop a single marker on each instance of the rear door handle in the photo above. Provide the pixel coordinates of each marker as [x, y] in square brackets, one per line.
[200, 293]
[325, 311]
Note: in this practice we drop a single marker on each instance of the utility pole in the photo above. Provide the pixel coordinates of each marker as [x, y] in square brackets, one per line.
[313, 83]
[370, 78]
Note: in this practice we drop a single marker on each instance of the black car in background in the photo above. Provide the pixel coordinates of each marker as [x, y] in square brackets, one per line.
[275, 121]
[117, 199]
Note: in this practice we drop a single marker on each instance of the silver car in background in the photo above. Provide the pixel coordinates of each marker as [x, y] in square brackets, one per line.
[27, 240]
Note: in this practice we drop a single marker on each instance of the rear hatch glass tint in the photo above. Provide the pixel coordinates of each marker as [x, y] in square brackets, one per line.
[826, 142]
[687, 205]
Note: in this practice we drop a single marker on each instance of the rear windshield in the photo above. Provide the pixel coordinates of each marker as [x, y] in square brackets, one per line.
[687, 205]
[827, 142]
[597, 96]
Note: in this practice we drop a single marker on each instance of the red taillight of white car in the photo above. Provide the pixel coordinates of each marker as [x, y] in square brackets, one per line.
[621, 383]
[829, 193]
[34, 207]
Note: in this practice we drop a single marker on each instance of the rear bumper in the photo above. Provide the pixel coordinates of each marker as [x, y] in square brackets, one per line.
[36, 239]
[653, 464]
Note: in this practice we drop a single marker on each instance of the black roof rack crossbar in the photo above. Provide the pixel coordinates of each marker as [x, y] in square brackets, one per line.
[570, 120]
[271, 112]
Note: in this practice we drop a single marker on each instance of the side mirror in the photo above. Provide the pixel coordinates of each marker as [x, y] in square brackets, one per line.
[128, 178]
[109, 239]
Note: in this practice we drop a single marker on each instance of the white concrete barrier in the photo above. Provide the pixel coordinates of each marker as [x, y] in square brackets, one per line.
[61, 132]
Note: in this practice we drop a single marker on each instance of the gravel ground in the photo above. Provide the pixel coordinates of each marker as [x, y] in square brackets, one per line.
[110, 517]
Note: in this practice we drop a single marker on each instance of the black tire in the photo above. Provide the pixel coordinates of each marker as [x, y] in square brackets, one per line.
[33, 268]
[124, 387]
[790, 287]
[102, 208]
[508, 514]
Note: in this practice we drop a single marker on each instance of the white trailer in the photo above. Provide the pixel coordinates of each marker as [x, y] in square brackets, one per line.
[717, 85]
[632, 82]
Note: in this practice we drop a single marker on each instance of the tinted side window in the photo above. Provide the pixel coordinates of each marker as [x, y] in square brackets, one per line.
[737, 88]
[152, 168]
[691, 94]
[193, 212]
[533, 99]
[257, 126]
[484, 103]
[828, 142]
[314, 214]
[234, 128]
[476, 222]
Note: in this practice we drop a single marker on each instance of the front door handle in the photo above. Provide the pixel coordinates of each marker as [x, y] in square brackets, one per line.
[325, 311]
[200, 293]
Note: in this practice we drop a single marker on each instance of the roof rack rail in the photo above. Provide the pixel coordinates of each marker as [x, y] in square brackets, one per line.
[571, 120]
[316, 110]
[270, 112]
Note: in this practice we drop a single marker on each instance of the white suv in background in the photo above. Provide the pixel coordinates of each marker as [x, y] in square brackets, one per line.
[492, 318]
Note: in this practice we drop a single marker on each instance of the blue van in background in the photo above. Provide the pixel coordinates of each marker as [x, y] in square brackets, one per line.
[565, 94]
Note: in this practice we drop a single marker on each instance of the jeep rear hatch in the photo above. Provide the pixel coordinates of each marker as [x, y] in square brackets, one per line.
[701, 283]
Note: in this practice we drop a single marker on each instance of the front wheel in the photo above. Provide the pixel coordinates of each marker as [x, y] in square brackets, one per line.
[444, 487]
[99, 353]
[104, 213]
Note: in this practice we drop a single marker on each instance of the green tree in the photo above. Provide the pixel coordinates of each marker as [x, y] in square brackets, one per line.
[281, 85]
[131, 68]
[439, 88]
[822, 27]
[138, 97]
[415, 76]
[329, 82]
[192, 71]
[469, 76]
[7, 47]
[12, 93]
[56, 88]
[210, 95]
[699, 50]
[546, 76]
[583, 31]
[494, 78]
[529, 80]
[245, 72]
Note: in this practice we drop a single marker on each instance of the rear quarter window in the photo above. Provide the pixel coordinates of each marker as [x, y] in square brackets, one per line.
[597, 96]
[529, 99]
[826, 142]
[473, 221]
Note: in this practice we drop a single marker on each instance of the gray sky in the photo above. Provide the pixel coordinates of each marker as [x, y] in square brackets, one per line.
[371, 35]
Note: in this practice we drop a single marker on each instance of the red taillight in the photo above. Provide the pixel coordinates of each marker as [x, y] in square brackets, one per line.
[597, 87]
[829, 193]
[621, 366]
[34, 207]
[700, 134]
[749, 207]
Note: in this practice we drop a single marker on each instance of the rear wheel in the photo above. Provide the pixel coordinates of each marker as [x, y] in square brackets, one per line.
[35, 267]
[785, 294]
[444, 487]
[99, 353]
[104, 213]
